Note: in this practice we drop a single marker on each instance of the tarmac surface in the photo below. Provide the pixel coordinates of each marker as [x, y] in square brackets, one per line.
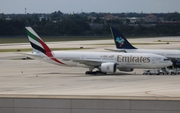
[35, 77]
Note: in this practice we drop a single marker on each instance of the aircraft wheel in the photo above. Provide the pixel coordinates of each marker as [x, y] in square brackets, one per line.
[100, 72]
[95, 72]
[90, 72]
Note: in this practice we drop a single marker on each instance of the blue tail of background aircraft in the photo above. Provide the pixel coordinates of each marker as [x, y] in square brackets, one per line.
[120, 40]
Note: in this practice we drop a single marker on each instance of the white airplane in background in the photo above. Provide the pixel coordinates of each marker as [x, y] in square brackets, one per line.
[122, 45]
[105, 62]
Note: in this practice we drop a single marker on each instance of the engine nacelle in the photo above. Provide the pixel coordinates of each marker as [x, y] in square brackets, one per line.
[108, 67]
[126, 69]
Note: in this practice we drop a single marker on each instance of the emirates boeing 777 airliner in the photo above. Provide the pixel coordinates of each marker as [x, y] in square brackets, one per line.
[105, 62]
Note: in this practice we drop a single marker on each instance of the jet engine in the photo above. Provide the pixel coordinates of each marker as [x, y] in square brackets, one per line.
[108, 67]
[126, 69]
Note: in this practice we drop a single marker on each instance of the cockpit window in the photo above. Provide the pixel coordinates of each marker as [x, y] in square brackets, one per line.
[166, 59]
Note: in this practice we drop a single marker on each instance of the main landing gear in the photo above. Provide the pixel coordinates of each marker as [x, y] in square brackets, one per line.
[91, 72]
[95, 72]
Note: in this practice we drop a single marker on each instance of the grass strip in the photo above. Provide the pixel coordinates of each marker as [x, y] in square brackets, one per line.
[29, 49]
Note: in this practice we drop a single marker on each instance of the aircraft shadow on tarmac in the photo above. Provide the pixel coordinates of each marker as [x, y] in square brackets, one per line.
[82, 74]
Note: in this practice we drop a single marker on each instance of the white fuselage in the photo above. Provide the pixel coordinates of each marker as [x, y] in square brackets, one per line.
[123, 60]
[166, 53]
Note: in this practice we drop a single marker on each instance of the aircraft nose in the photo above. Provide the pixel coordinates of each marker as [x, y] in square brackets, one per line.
[169, 63]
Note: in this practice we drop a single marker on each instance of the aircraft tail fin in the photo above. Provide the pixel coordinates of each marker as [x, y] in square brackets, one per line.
[120, 41]
[38, 45]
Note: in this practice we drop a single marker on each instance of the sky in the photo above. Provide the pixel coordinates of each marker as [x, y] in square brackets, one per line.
[78, 6]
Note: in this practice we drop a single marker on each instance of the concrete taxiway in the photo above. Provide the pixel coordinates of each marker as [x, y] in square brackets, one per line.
[32, 86]
[37, 77]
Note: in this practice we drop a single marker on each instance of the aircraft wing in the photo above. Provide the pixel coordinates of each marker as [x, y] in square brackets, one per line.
[90, 63]
[85, 62]
[116, 50]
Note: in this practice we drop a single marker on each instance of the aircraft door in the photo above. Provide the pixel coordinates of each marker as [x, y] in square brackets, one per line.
[153, 60]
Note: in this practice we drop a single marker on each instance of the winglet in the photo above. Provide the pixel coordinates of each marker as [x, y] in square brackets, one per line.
[120, 41]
